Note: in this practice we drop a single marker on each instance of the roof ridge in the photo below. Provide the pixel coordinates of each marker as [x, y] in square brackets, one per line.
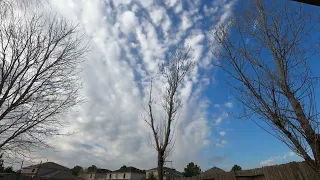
[61, 167]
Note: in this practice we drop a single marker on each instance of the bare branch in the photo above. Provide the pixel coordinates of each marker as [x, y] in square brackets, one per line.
[173, 73]
[268, 62]
[39, 58]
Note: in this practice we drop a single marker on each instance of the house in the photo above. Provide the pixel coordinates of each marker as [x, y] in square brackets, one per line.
[48, 171]
[100, 174]
[212, 172]
[169, 173]
[126, 173]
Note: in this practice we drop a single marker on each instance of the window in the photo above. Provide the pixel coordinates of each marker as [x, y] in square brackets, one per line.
[33, 170]
[90, 175]
[116, 175]
[124, 175]
[109, 176]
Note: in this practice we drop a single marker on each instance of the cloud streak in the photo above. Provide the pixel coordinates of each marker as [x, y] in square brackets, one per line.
[128, 40]
[278, 159]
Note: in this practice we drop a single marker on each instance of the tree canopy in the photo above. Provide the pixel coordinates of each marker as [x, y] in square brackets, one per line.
[92, 168]
[77, 170]
[191, 170]
[3, 169]
[236, 168]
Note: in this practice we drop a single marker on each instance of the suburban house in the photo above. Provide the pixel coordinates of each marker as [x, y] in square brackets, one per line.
[100, 174]
[169, 173]
[212, 172]
[127, 173]
[48, 171]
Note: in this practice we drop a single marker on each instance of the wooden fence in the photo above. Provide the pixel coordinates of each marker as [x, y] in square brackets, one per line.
[290, 171]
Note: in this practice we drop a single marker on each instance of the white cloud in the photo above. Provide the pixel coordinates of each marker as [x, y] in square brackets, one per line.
[178, 9]
[195, 41]
[210, 10]
[218, 120]
[216, 105]
[291, 154]
[221, 143]
[222, 133]
[278, 159]
[122, 2]
[166, 24]
[225, 114]
[269, 162]
[115, 84]
[157, 15]
[186, 22]
[128, 22]
[171, 3]
[228, 104]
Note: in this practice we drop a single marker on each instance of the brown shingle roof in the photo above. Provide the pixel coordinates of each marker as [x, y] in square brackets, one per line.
[212, 171]
[48, 165]
[129, 169]
[60, 175]
[103, 171]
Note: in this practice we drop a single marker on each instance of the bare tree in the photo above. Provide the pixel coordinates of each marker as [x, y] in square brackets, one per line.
[173, 74]
[267, 54]
[7, 7]
[39, 58]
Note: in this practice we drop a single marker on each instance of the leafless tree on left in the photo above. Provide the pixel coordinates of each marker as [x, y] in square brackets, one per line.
[39, 63]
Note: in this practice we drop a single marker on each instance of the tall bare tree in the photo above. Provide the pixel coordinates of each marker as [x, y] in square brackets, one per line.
[39, 58]
[266, 50]
[172, 73]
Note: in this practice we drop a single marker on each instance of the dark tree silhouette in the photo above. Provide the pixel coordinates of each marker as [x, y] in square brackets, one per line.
[77, 170]
[191, 170]
[92, 168]
[236, 168]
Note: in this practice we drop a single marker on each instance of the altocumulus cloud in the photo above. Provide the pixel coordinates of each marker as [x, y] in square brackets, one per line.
[128, 39]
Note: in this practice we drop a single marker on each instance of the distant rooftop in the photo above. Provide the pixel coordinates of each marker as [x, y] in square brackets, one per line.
[212, 171]
[48, 165]
[103, 171]
[164, 168]
[129, 169]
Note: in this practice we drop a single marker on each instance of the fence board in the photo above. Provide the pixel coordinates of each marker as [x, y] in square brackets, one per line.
[290, 171]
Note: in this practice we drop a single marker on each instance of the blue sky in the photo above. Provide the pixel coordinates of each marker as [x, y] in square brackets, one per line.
[128, 40]
[248, 145]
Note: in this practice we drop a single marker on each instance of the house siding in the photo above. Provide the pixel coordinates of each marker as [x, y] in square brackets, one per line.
[137, 176]
[166, 174]
[30, 172]
[129, 176]
[100, 176]
[46, 170]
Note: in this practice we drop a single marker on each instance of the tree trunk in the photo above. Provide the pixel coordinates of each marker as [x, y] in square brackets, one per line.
[160, 165]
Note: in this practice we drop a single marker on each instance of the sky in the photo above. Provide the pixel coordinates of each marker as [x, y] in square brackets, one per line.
[128, 38]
